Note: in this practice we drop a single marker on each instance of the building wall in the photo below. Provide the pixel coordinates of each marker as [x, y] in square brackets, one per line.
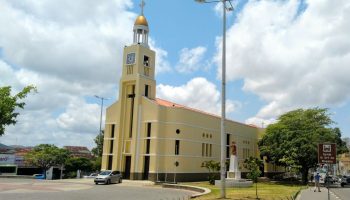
[198, 135]
[142, 133]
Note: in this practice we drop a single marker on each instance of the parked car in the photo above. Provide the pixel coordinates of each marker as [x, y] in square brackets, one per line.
[39, 176]
[108, 177]
[92, 175]
[329, 179]
[345, 181]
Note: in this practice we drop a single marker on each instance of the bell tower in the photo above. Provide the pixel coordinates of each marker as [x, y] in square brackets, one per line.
[137, 82]
[139, 59]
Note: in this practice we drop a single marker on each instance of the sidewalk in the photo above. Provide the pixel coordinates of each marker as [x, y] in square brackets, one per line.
[309, 194]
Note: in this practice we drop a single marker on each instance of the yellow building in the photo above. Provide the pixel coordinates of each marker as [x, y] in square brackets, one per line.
[344, 164]
[154, 139]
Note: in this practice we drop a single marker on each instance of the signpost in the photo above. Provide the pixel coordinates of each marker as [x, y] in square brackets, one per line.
[327, 154]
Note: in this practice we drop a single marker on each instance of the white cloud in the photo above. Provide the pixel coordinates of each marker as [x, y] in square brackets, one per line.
[219, 11]
[57, 114]
[198, 93]
[289, 58]
[162, 65]
[260, 122]
[71, 51]
[76, 126]
[191, 60]
[71, 44]
[80, 117]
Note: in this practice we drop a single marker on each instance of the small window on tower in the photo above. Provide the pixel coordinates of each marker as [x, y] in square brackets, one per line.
[146, 90]
[146, 61]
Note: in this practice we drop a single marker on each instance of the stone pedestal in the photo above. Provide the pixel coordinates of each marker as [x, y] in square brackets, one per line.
[231, 183]
[233, 175]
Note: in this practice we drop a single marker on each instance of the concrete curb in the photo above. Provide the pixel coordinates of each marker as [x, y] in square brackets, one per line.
[201, 190]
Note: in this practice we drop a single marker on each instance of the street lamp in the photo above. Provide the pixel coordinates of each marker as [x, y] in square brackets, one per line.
[99, 135]
[223, 94]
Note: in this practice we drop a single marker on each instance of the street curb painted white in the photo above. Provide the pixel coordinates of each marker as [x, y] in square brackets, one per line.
[201, 190]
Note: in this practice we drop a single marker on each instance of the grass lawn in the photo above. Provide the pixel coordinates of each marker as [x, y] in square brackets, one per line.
[266, 191]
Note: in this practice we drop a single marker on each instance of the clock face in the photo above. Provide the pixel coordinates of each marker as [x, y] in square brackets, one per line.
[130, 58]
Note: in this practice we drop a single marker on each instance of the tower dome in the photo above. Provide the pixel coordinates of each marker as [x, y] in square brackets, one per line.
[141, 28]
[141, 20]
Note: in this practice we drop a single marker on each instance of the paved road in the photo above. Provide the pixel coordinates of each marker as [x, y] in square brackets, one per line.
[29, 189]
[342, 193]
[336, 193]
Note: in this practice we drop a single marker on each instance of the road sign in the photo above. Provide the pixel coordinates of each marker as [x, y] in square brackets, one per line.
[327, 153]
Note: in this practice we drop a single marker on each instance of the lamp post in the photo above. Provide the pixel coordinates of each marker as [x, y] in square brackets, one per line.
[99, 135]
[223, 95]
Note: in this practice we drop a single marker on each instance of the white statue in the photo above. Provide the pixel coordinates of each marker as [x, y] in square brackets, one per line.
[233, 171]
[234, 175]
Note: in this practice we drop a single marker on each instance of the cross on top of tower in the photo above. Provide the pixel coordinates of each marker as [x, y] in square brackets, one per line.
[142, 5]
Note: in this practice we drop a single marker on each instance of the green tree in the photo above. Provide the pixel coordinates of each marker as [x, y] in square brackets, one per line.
[341, 144]
[78, 163]
[45, 156]
[213, 167]
[293, 140]
[8, 105]
[253, 165]
[97, 151]
[96, 164]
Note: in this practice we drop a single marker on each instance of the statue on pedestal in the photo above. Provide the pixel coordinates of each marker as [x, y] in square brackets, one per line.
[233, 171]
[234, 175]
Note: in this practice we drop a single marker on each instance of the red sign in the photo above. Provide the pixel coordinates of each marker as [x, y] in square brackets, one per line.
[327, 153]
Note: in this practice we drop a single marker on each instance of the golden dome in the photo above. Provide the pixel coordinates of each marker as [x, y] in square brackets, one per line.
[141, 20]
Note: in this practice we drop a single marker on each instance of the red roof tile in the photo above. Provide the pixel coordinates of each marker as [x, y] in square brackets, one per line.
[166, 103]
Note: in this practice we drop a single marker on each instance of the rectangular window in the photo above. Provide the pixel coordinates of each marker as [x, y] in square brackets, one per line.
[146, 90]
[227, 139]
[148, 141]
[112, 131]
[149, 129]
[177, 147]
[110, 162]
[210, 150]
[132, 98]
[146, 61]
[227, 152]
[111, 146]
[246, 153]
[203, 148]
[206, 150]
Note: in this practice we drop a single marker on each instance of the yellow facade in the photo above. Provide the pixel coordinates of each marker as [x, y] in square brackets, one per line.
[150, 138]
[344, 164]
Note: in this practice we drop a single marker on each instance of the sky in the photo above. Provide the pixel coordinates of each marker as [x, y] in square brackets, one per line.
[281, 55]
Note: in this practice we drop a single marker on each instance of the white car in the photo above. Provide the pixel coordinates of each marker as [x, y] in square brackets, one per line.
[92, 175]
[108, 177]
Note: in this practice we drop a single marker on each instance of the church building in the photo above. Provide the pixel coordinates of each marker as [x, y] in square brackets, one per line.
[147, 138]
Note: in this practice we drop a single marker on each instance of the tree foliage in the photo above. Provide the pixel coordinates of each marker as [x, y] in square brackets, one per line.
[293, 140]
[96, 164]
[78, 163]
[45, 156]
[8, 105]
[212, 167]
[97, 151]
[253, 164]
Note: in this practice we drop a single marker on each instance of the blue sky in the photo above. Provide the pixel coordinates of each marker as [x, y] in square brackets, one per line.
[281, 55]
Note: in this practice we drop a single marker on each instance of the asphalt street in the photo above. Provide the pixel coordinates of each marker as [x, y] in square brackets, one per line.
[29, 189]
[341, 193]
[335, 193]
